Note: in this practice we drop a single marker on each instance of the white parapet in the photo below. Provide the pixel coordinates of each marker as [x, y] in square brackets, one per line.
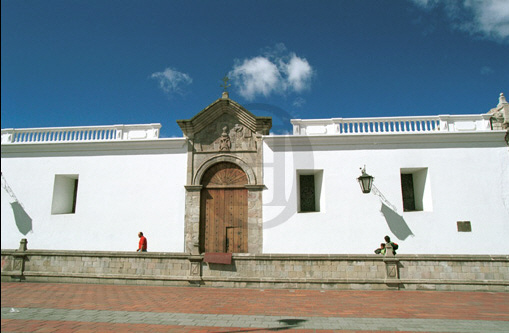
[392, 125]
[332, 126]
[81, 134]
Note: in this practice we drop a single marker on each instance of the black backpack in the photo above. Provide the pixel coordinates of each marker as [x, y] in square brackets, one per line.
[395, 246]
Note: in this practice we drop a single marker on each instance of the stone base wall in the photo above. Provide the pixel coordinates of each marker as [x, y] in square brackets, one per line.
[369, 272]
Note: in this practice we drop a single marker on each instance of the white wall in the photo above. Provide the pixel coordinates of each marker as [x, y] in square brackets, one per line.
[119, 194]
[124, 191]
[468, 181]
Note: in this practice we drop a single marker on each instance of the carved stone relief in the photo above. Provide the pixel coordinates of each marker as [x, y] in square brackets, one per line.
[224, 141]
[225, 134]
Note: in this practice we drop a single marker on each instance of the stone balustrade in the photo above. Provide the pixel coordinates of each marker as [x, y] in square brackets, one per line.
[333, 126]
[392, 125]
[81, 134]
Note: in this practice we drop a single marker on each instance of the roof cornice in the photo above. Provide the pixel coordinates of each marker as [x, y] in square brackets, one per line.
[387, 141]
[131, 147]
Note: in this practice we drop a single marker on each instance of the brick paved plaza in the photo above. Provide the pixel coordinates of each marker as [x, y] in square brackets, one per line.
[47, 307]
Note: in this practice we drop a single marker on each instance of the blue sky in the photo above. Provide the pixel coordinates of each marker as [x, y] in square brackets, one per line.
[96, 62]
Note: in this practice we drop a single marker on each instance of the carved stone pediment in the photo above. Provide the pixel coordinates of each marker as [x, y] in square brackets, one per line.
[224, 126]
[225, 134]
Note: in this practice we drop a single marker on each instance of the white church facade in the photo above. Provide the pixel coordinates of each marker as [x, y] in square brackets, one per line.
[441, 185]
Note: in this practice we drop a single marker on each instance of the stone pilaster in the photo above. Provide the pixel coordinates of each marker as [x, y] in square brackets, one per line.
[391, 265]
[255, 220]
[19, 258]
[192, 219]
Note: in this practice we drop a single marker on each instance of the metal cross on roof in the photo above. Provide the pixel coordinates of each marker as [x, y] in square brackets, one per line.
[225, 84]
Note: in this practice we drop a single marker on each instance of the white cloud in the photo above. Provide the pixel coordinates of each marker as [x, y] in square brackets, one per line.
[172, 81]
[486, 18]
[299, 73]
[277, 71]
[256, 76]
[491, 17]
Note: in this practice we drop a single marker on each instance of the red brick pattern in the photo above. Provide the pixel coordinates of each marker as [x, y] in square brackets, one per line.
[273, 302]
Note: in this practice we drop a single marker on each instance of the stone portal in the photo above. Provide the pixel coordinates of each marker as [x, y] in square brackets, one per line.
[224, 140]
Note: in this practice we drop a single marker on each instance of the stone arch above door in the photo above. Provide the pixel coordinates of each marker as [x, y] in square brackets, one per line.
[224, 174]
[251, 178]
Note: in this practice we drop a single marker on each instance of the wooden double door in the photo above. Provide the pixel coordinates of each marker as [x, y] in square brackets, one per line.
[223, 209]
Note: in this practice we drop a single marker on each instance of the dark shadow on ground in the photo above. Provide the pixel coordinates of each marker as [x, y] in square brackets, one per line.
[286, 325]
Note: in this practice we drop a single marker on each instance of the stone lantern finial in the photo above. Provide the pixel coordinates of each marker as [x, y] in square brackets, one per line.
[501, 100]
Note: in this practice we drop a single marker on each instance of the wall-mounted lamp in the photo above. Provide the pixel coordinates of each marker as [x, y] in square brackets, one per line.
[365, 181]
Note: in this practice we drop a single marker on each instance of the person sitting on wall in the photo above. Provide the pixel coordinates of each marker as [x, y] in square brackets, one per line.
[393, 245]
[381, 249]
[142, 246]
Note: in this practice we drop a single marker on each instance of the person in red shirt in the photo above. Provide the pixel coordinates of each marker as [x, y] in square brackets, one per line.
[142, 247]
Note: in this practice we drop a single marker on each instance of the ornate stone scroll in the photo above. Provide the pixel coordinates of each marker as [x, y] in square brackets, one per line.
[224, 141]
[225, 135]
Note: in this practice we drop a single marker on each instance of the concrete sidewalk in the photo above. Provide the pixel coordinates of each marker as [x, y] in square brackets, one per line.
[46, 307]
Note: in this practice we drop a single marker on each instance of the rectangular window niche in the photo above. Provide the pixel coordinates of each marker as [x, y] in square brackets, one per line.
[464, 226]
[65, 193]
[309, 184]
[416, 190]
